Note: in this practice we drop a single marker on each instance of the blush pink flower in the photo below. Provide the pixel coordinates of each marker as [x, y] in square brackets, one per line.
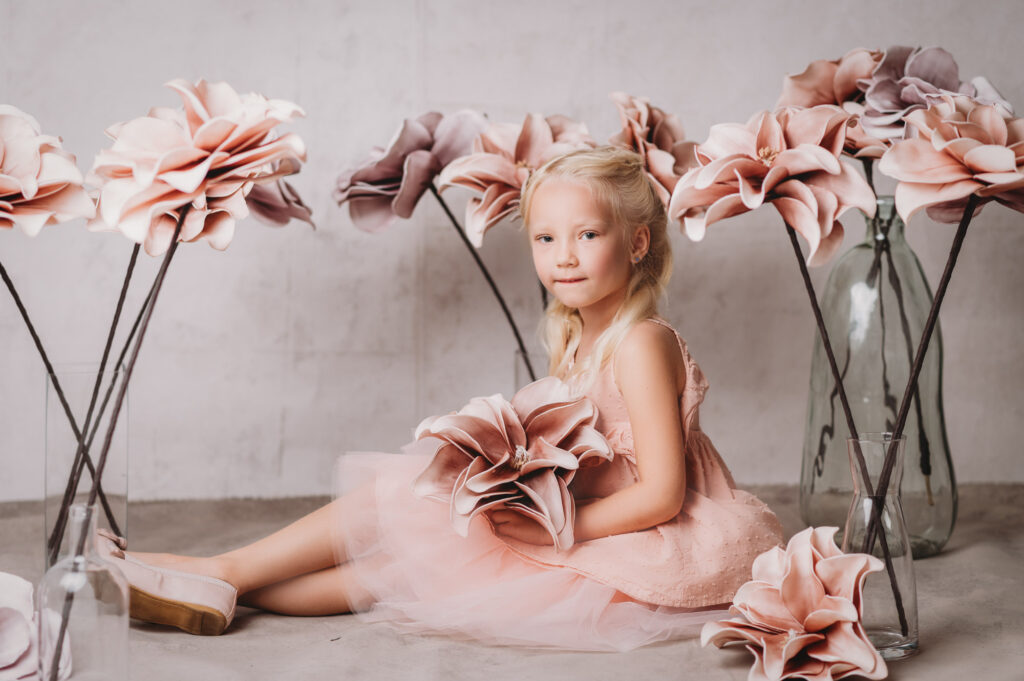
[961, 147]
[789, 158]
[39, 181]
[658, 137]
[906, 79]
[502, 160]
[389, 184]
[519, 456]
[207, 156]
[827, 81]
[277, 202]
[836, 82]
[800, 615]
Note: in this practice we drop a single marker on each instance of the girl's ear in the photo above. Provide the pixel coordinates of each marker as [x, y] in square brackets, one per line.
[640, 243]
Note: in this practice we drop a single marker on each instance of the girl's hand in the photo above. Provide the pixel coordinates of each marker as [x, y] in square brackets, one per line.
[517, 526]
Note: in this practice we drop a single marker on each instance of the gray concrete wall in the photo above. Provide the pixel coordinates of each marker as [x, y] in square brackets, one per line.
[266, 361]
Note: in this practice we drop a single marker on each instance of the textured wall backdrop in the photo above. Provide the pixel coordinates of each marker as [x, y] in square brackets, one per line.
[265, 362]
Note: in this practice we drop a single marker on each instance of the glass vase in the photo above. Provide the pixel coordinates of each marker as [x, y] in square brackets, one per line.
[875, 304]
[86, 597]
[67, 482]
[892, 632]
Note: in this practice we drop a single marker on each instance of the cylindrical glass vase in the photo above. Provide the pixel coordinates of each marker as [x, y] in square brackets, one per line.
[874, 305]
[68, 467]
[86, 598]
[875, 525]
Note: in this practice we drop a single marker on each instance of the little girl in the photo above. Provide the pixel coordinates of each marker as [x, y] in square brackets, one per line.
[662, 537]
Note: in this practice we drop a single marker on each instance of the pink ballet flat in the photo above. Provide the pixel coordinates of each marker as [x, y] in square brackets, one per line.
[194, 603]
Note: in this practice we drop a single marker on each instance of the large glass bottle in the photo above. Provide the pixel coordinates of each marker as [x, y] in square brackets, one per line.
[82, 611]
[875, 304]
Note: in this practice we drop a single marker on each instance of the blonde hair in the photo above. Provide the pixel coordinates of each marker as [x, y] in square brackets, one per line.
[618, 179]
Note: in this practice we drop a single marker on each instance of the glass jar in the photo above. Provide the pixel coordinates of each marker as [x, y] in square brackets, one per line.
[889, 598]
[875, 304]
[82, 610]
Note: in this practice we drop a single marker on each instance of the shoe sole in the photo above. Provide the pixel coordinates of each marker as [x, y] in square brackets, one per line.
[190, 617]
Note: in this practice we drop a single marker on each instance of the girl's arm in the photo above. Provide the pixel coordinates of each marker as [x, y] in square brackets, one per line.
[650, 373]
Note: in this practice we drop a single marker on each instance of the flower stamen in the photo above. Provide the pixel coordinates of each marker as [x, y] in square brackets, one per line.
[767, 155]
[520, 458]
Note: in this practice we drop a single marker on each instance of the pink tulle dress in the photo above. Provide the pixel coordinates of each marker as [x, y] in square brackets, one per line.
[612, 593]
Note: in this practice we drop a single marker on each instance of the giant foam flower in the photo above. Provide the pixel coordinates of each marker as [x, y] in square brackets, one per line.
[39, 181]
[906, 79]
[503, 158]
[659, 139]
[961, 147]
[789, 158]
[19, 632]
[800, 615]
[835, 82]
[206, 156]
[519, 456]
[389, 184]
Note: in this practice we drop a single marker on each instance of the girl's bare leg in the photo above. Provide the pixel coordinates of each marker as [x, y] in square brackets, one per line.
[331, 591]
[306, 546]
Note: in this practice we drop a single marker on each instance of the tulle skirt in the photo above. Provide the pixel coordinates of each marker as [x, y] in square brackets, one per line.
[416, 574]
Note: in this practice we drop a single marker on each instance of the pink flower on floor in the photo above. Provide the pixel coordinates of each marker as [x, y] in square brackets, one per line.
[389, 184]
[519, 456]
[907, 78]
[836, 82]
[800, 614]
[658, 137]
[503, 158]
[961, 147]
[39, 181]
[19, 632]
[207, 156]
[789, 158]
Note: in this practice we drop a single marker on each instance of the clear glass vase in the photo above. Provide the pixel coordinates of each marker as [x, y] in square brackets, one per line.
[875, 304]
[891, 628]
[63, 486]
[86, 598]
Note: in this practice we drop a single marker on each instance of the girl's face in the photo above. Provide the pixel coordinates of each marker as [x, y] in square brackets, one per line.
[581, 257]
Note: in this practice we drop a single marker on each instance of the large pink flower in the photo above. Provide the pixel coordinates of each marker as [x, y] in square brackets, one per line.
[906, 79]
[658, 137]
[39, 181]
[800, 614]
[789, 158]
[961, 148]
[502, 160]
[519, 455]
[390, 182]
[836, 82]
[207, 156]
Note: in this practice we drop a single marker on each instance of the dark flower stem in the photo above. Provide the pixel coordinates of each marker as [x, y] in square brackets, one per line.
[490, 280]
[74, 476]
[111, 427]
[859, 455]
[915, 371]
[53, 379]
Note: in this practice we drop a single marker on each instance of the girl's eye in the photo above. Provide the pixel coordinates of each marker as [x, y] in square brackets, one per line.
[589, 235]
[544, 239]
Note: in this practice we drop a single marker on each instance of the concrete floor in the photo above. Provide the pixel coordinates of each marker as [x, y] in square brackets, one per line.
[970, 596]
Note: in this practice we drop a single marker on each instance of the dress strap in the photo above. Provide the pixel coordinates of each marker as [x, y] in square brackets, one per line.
[696, 383]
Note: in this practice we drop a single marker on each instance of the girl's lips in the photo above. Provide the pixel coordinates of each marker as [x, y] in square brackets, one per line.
[569, 281]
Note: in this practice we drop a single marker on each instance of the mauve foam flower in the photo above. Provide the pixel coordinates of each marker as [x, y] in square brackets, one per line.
[905, 79]
[207, 156]
[502, 160]
[390, 182]
[39, 181]
[658, 137]
[800, 614]
[789, 158]
[961, 147]
[519, 456]
[836, 82]
[277, 202]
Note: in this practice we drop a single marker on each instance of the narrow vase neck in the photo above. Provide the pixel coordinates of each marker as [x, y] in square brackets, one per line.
[82, 522]
[886, 225]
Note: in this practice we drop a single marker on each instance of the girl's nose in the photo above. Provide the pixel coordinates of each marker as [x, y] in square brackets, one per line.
[567, 256]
